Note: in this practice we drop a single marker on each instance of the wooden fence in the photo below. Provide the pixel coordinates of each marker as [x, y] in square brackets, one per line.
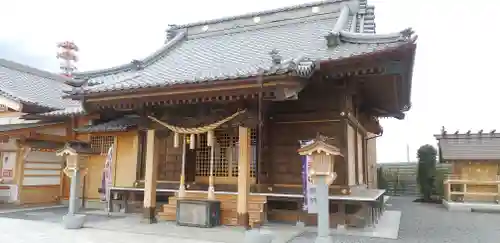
[401, 178]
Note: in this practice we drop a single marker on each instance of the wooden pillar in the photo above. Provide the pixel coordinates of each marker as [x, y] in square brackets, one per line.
[448, 191]
[356, 153]
[181, 193]
[211, 143]
[243, 176]
[149, 211]
[21, 153]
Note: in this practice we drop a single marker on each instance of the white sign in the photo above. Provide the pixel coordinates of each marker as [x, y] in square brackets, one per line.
[107, 178]
[8, 165]
[311, 189]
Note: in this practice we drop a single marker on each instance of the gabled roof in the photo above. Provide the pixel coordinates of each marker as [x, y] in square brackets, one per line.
[321, 144]
[289, 40]
[469, 146]
[32, 87]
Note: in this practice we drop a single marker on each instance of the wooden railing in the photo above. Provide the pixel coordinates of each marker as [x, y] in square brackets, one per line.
[481, 189]
[465, 178]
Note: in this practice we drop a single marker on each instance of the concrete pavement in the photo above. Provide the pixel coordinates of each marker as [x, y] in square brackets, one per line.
[29, 231]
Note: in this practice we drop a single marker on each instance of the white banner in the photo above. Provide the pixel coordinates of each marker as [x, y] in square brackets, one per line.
[107, 175]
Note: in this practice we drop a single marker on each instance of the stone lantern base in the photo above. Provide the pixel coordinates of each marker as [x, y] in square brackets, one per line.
[73, 221]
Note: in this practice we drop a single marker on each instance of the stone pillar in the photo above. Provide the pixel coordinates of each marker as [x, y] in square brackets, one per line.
[72, 220]
[323, 210]
[243, 176]
[73, 189]
[149, 210]
[78, 190]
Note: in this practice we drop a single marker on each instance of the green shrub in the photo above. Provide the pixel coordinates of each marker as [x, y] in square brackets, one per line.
[381, 180]
[427, 156]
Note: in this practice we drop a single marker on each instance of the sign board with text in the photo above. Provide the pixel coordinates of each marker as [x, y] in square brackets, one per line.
[308, 187]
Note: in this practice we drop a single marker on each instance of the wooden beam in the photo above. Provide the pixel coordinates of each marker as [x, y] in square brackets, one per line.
[197, 88]
[354, 122]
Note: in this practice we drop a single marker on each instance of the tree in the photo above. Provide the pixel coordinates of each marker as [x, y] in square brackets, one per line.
[427, 156]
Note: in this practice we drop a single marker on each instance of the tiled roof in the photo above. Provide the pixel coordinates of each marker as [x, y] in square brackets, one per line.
[68, 111]
[32, 86]
[117, 125]
[37, 144]
[11, 127]
[239, 47]
[470, 146]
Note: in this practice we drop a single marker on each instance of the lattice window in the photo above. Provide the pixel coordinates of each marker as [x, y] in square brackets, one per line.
[101, 144]
[226, 155]
[253, 143]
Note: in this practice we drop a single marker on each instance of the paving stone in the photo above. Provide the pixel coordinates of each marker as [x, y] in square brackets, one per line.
[420, 223]
[29, 231]
[429, 223]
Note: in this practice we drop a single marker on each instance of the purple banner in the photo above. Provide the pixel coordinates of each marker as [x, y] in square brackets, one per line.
[308, 188]
[304, 182]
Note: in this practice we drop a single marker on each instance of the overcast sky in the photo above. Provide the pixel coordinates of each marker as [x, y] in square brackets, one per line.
[454, 83]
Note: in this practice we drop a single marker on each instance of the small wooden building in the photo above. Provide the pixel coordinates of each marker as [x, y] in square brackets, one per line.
[475, 159]
[31, 172]
[223, 105]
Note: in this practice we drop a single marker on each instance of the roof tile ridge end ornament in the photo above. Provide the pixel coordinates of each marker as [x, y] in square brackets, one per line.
[304, 67]
[333, 38]
[406, 35]
[258, 13]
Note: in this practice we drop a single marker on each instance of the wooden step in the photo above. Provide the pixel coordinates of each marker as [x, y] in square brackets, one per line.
[167, 208]
[167, 216]
[229, 215]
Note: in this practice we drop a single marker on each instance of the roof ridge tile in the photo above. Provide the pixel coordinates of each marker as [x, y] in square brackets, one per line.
[257, 13]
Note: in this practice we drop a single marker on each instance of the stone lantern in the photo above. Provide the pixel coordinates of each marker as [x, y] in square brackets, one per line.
[322, 174]
[76, 154]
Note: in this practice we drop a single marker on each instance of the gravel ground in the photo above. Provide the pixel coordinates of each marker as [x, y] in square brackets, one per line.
[426, 223]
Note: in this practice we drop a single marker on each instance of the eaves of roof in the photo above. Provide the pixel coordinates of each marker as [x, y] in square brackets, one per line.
[118, 125]
[13, 127]
[66, 112]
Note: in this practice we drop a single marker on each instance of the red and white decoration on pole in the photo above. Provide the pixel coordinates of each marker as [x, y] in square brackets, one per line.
[67, 55]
